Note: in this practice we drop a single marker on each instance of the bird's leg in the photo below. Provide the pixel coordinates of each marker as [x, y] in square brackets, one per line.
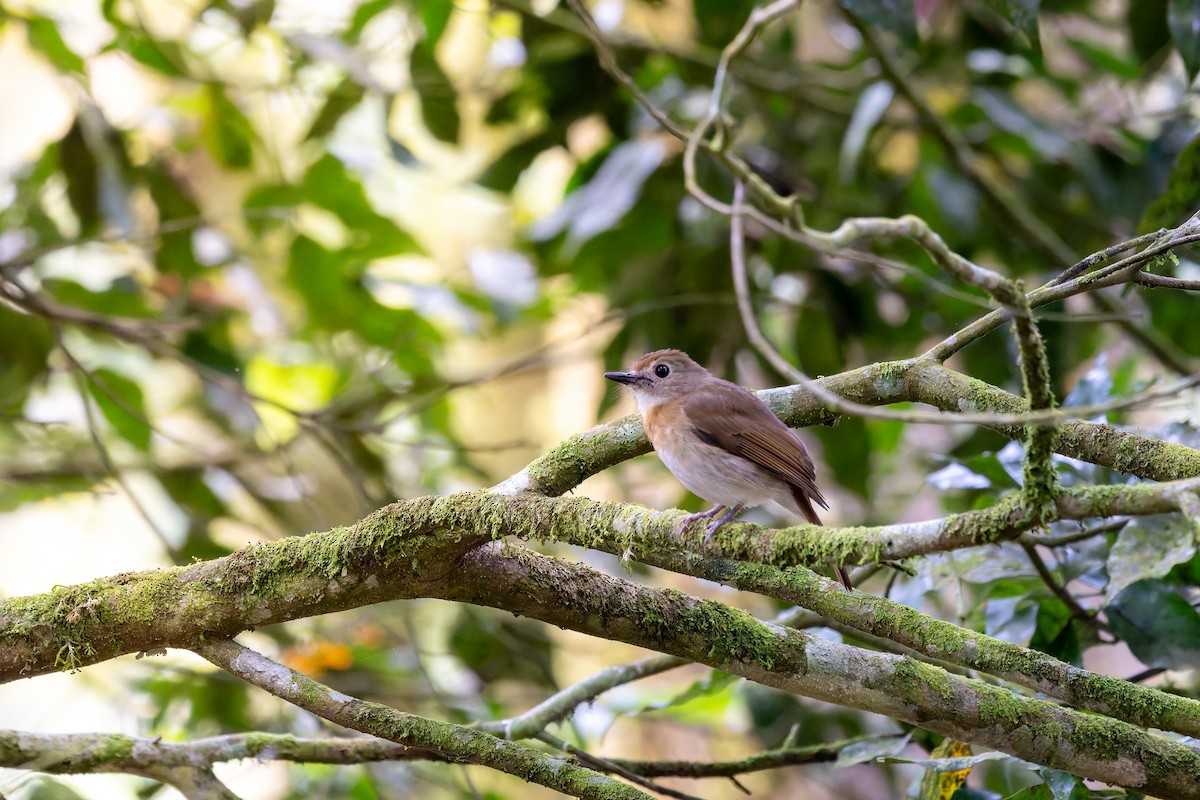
[843, 576]
[729, 515]
[690, 518]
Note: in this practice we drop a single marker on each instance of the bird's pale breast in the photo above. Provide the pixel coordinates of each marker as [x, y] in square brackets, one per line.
[709, 472]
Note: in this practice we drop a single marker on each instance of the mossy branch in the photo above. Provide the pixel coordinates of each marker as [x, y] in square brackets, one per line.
[93, 753]
[578, 597]
[568, 464]
[416, 548]
[452, 742]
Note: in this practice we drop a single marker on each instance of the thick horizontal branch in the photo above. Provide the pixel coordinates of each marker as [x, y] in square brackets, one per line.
[575, 596]
[183, 766]
[648, 537]
[565, 466]
[406, 550]
[327, 572]
[80, 753]
[90, 753]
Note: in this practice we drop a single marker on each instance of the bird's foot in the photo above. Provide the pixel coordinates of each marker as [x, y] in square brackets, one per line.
[690, 518]
[729, 515]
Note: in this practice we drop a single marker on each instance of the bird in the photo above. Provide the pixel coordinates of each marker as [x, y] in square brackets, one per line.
[720, 441]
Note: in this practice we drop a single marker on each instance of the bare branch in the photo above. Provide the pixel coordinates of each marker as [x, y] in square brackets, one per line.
[455, 743]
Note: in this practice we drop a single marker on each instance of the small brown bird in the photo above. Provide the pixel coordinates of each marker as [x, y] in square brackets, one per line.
[720, 441]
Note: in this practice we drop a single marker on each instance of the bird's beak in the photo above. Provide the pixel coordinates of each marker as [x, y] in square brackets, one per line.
[627, 378]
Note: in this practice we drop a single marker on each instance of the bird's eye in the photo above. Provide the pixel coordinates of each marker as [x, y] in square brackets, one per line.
[662, 370]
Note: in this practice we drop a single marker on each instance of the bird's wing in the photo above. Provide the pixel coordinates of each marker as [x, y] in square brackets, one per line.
[729, 417]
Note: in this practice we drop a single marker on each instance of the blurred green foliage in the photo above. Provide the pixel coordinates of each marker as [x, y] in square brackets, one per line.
[224, 279]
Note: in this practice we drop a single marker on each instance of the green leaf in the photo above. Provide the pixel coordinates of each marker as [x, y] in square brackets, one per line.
[363, 15]
[716, 682]
[1011, 619]
[120, 401]
[227, 132]
[344, 97]
[720, 20]
[1022, 14]
[495, 647]
[1178, 199]
[174, 254]
[949, 764]
[435, 14]
[161, 56]
[1105, 59]
[123, 299]
[438, 98]
[27, 343]
[1149, 547]
[1183, 18]
[1063, 785]
[1149, 33]
[1056, 634]
[44, 36]
[1057, 785]
[331, 286]
[13, 495]
[43, 788]
[83, 180]
[1159, 626]
[867, 750]
[331, 186]
[893, 15]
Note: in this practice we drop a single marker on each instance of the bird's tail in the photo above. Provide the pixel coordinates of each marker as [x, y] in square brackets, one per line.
[804, 504]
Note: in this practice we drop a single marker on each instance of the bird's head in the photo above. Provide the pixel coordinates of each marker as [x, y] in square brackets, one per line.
[661, 376]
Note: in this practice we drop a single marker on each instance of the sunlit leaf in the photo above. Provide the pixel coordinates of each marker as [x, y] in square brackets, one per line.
[13, 495]
[44, 36]
[943, 784]
[120, 401]
[45, 788]
[363, 15]
[227, 132]
[124, 298]
[330, 185]
[344, 97]
[435, 14]
[438, 97]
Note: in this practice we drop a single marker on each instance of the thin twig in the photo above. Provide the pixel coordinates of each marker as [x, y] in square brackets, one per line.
[1077, 611]
[456, 743]
[606, 765]
[563, 703]
[837, 404]
[1064, 539]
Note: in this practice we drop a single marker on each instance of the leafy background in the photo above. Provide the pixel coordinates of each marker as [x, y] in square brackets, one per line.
[293, 260]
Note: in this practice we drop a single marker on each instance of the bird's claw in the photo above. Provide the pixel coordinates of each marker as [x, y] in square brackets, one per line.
[690, 518]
